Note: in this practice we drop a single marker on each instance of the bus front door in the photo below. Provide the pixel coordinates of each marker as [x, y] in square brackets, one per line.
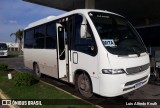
[61, 51]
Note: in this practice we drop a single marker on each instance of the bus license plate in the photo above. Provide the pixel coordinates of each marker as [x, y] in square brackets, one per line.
[138, 85]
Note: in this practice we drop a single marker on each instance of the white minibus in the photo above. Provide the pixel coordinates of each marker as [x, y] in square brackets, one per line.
[3, 50]
[98, 51]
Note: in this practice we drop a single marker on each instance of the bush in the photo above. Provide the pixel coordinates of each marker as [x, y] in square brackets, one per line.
[23, 79]
[3, 66]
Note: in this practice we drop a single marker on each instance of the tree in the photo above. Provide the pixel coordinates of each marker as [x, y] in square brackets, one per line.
[18, 37]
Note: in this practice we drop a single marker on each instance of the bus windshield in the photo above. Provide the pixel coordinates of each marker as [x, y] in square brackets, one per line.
[3, 46]
[117, 35]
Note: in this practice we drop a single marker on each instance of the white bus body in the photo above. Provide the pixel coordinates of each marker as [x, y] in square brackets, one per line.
[98, 51]
[3, 50]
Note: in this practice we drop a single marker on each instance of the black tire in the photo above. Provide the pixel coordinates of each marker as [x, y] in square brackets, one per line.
[84, 85]
[37, 71]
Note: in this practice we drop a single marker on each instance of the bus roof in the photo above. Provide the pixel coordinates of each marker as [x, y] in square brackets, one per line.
[52, 18]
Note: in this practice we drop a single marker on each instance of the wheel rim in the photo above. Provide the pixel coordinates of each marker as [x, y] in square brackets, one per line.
[84, 86]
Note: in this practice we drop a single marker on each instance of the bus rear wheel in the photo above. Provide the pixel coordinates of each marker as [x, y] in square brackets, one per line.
[37, 71]
[84, 85]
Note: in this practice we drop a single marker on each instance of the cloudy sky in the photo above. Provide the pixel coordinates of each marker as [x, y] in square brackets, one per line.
[17, 14]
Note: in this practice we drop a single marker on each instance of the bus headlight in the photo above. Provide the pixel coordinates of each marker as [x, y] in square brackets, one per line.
[113, 71]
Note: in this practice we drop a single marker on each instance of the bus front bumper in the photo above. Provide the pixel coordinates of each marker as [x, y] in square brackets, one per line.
[3, 54]
[115, 85]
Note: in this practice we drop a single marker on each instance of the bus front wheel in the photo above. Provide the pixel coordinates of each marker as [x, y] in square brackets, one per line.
[37, 71]
[84, 85]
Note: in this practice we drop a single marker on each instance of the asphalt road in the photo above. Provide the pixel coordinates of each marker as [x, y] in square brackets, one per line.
[147, 93]
[13, 62]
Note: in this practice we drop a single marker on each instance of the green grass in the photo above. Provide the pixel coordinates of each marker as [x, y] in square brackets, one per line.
[37, 91]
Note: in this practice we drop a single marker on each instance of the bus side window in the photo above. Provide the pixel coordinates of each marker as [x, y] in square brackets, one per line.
[28, 38]
[51, 36]
[39, 37]
[85, 44]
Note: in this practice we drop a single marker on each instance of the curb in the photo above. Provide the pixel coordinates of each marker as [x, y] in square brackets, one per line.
[70, 94]
[4, 96]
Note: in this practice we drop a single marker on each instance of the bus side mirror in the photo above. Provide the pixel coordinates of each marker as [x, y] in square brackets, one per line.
[83, 30]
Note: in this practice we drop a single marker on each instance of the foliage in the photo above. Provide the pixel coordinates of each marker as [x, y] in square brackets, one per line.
[23, 79]
[37, 91]
[18, 36]
[3, 66]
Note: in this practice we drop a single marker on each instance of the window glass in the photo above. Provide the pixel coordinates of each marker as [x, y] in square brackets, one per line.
[86, 45]
[39, 43]
[61, 40]
[3, 46]
[40, 31]
[43, 36]
[39, 36]
[51, 29]
[51, 42]
[28, 43]
[29, 34]
[28, 38]
[117, 34]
